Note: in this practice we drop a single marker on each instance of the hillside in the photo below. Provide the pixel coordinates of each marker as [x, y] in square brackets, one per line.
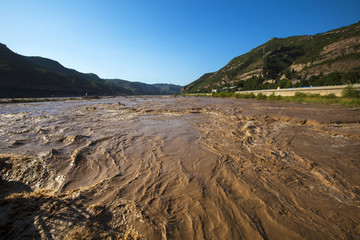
[329, 58]
[22, 76]
[139, 88]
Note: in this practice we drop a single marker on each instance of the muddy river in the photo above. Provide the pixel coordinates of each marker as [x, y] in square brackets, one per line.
[179, 168]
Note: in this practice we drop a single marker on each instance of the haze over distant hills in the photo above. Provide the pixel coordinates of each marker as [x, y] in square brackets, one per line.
[22, 76]
[330, 58]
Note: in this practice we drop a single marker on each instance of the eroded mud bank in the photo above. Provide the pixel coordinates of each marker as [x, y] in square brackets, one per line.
[179, 168]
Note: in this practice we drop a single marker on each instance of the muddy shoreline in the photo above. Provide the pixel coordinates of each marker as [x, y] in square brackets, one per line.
[179, 168]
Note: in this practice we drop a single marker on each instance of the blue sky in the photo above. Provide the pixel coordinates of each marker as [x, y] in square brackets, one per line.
[159, 41]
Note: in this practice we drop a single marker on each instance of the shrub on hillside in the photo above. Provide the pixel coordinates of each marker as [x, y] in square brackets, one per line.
[261, 96]
[350, 92]
[300, 95]
[331, 95]
[274, 97]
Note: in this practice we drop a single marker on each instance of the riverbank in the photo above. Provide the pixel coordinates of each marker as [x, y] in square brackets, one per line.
[350, 96]
[287, 92]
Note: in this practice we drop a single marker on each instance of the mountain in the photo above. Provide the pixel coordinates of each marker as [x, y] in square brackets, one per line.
[166, 88]
[22, 76]
[139, 88]
[329, 58]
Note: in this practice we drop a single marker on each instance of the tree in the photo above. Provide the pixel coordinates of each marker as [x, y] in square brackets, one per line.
[350, 77]
[285, 83]
[304, 83]
[350, 92]
[288, 84]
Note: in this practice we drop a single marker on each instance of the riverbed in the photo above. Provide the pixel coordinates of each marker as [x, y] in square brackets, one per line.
[160, 167]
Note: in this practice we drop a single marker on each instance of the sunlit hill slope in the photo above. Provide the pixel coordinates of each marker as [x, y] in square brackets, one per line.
[329, 58]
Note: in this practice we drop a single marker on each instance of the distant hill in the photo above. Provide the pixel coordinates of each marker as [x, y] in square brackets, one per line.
[329, 58]
[22, 76]
[139, 88]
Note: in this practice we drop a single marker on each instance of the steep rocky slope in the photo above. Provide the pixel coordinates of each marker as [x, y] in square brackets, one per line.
[297, 57]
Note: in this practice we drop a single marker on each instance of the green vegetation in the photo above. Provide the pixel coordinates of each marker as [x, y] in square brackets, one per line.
[350, 97]
[260, 96]
[334, 78]
[235, 95]
[350, 92]
[138, 88]
[275, 97]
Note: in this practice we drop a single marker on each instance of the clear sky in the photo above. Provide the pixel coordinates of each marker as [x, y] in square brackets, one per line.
[160, 41]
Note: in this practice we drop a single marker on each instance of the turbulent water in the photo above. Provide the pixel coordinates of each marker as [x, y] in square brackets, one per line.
[179, 168]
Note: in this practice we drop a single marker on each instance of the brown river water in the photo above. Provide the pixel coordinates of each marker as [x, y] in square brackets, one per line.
[179, 168]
